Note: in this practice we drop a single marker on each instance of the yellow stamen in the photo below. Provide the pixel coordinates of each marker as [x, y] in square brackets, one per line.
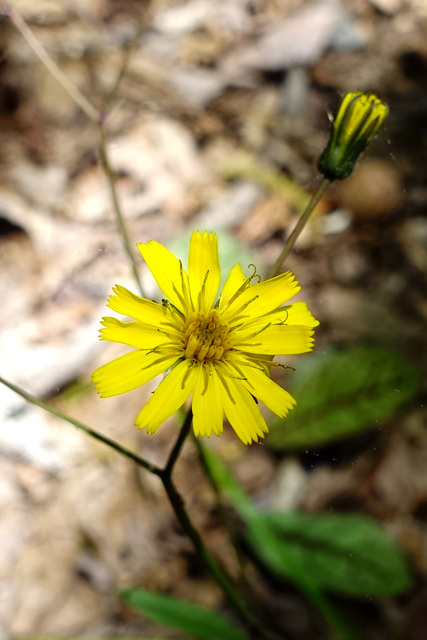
[205, 337]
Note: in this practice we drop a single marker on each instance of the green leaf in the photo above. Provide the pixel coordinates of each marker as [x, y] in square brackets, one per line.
[344, 553]
[169, 611]
[341, 552]
[342, 392]
[269, 546]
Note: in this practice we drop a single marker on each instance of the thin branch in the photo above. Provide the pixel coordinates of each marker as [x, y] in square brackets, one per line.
[82, 427]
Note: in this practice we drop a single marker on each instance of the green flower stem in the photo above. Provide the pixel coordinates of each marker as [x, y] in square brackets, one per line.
[82, 427]
[202, 551]
[105, 161]
[299, 227]
[183, 518]
[185, 430]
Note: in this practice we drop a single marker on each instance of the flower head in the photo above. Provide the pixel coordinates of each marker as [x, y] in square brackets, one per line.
[220, 350]
[359, 118]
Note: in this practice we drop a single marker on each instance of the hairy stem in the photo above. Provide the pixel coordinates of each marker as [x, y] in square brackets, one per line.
[183, 518]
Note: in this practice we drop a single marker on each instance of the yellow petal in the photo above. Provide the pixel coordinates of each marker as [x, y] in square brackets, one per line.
[236, 278]
[168, 273]
[169, 396]
[129, 304]
[203, 270]
[129, 371]
[208, 415]
[240, 408]
[279, 340]
[278, 400]
[136, 334]
[262, 298]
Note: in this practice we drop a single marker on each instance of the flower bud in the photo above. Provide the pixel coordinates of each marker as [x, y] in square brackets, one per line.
[358, 120]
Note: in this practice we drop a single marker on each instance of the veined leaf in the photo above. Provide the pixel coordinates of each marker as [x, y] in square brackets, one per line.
[343, 392]
[342, 553]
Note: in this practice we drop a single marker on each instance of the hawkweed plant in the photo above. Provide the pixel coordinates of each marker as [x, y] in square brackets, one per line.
[216, 347]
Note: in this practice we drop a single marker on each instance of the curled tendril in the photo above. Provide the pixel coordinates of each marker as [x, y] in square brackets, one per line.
[255, 274]
[285, 319]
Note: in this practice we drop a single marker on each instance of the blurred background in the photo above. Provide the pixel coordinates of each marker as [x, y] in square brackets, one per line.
[217, 123]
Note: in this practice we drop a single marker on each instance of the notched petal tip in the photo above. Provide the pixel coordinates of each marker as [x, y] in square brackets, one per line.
[104, 323]
[98, 379]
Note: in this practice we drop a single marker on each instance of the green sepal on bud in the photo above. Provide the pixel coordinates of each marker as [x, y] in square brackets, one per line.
[358, 120]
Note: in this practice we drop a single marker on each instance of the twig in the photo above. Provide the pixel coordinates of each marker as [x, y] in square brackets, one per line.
[74, 93]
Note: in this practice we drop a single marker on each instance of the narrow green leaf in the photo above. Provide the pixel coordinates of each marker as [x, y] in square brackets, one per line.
[269, 546]
[344, 553]
[192, 619]
[343, 392]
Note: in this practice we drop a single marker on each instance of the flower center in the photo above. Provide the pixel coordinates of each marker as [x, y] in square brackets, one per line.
[205, 337]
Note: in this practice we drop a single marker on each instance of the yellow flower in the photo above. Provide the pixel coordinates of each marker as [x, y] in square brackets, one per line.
[359, 118]
[219, 351]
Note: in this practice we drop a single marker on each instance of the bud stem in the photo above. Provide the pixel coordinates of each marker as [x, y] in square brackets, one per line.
[299, 227]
